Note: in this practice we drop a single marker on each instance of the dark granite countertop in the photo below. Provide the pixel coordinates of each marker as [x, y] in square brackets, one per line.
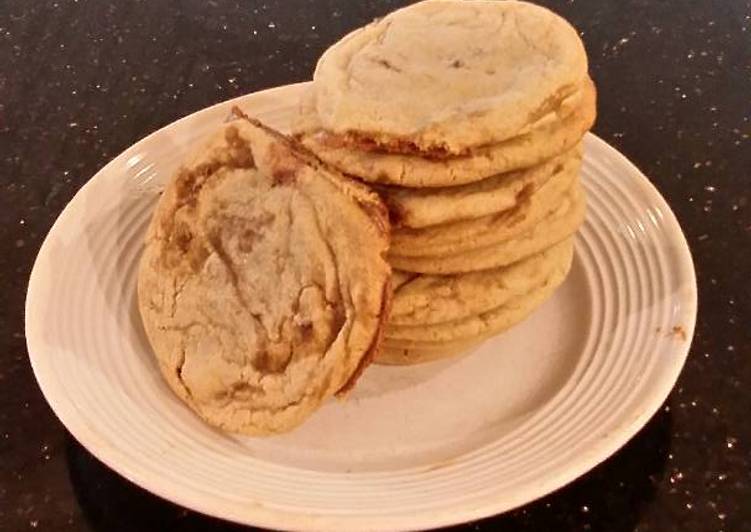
[82, 80]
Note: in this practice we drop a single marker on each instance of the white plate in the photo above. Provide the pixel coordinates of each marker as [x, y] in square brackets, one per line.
[416, 447]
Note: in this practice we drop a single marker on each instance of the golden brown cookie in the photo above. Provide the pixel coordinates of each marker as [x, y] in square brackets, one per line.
[457, 237]
[450, 336]
[446, 76]
[557, 226]
[421, 299]
[417, 169]
[397, 356]
[424, 207]
[255, 290]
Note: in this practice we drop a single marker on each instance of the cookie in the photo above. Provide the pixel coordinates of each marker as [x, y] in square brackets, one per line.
[456, 237]
[397, 356]
[457, 334]
[557, 226]
[446, 76]
[432, 299]
[417, 208]
[255, 291]
[420, 170]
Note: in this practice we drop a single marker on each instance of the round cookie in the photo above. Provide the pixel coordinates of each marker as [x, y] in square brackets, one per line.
[557, 226]
[432, 299]
[445, 76]
[417, 208]
[529, 149]
[258, 301]
[452, 238]
[459, 333]
[397, 356]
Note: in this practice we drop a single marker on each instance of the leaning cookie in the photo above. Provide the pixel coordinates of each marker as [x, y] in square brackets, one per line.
[255, 290]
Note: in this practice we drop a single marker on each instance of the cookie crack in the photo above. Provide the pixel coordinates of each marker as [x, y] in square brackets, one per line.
[529, 42]
[216, 245]
[179, 371]
[340, 320]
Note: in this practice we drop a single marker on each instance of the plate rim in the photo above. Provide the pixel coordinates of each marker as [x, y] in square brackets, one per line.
[258, 514]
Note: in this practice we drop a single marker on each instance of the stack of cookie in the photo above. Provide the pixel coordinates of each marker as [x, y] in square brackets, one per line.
[467, 117]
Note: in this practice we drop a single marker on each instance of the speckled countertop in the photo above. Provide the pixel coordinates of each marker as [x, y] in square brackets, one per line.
[82, 80]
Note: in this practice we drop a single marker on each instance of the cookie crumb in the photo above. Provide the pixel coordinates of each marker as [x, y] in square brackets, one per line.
[678, 332]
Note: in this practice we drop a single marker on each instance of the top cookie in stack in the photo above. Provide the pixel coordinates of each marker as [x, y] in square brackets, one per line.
[467, 116]
[445, 93]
